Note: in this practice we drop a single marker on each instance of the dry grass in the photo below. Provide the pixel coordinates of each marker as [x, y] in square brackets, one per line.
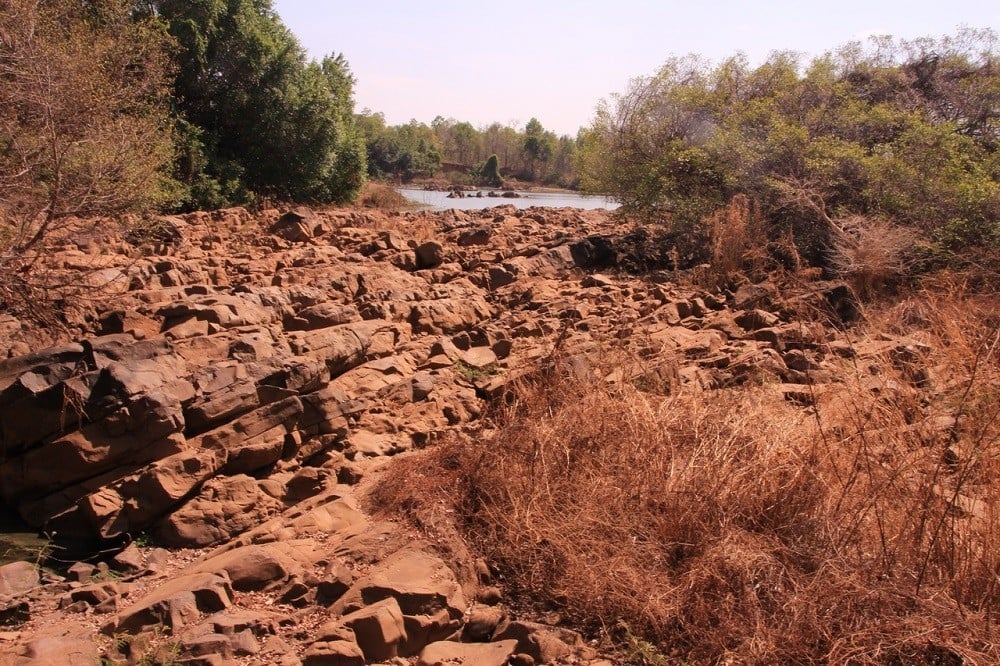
[382, 197]
[737, 235]
[735, 527]
[872, 254]
[741, 249]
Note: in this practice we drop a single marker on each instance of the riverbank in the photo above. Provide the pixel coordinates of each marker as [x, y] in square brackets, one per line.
[497, 436]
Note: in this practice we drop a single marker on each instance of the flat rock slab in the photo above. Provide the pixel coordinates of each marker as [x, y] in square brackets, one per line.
[71, 649]
[17, 578]
[449, 653]
[176, 603]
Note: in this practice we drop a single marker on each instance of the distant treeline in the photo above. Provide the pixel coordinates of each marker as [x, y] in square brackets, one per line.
[404, 152]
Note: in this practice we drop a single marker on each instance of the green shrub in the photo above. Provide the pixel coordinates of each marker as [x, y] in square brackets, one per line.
[905, 132]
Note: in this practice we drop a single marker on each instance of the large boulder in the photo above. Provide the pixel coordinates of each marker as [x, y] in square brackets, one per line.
[131, 505]
[378, 629]
[426, 590]
[297, 226]
[137, 433]
[225, 507]
[260, 566]
[177, 603]
[254, 440]
[17, 578]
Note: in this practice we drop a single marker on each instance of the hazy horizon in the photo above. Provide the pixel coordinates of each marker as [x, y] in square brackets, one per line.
[555, 61]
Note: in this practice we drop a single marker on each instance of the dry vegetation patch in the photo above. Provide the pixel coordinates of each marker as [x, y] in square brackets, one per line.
[383, 197]
[736, 527]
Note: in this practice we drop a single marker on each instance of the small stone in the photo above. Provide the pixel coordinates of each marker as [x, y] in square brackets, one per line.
[80, 572]
[483, 622]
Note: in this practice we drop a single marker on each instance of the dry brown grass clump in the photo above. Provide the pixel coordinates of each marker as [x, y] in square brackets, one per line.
[734, 527]
[739, 242]
[872, 254]
[383, 197]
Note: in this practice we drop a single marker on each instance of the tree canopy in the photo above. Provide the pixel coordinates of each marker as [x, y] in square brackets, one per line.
[257, 116]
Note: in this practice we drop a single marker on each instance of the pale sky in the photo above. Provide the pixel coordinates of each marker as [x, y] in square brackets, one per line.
[507, 61]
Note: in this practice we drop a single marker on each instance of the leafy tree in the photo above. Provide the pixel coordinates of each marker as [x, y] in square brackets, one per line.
[505, 142]
[538, 144]
[562, 168]
[460, 142]
[261, 118]
[84, 128]
[467, 142]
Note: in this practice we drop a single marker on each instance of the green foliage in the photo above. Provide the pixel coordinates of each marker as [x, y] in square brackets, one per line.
[904, 131]
[489, 172]
[257, 117]
[638, 651]
[414, 150]
[473, 373]
[538, 144]
[401, 152]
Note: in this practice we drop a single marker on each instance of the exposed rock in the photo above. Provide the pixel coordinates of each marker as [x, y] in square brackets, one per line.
[70, 649]
[544, 644]
[426, 590]
[429, 254]
[18, 578]
[256, 567]
[483, 622]
[250, 369]
[225, 507]
[446, 653]
[378, 629]
[176, 603]
[333, 653]
[296, 225]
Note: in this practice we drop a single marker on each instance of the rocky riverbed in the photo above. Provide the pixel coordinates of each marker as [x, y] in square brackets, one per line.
[227, 389]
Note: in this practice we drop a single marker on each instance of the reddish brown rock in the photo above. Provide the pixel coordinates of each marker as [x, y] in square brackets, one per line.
[260, 566]
[72, 648]
[18, 578]
[426, 590]
[448, 653]
[176, 603]
[225, 507]
[378, 629]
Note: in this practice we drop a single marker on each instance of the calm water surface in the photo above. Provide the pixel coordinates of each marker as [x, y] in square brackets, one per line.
[440, 201]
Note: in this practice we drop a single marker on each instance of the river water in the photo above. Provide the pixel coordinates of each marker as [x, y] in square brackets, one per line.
[434, 200]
